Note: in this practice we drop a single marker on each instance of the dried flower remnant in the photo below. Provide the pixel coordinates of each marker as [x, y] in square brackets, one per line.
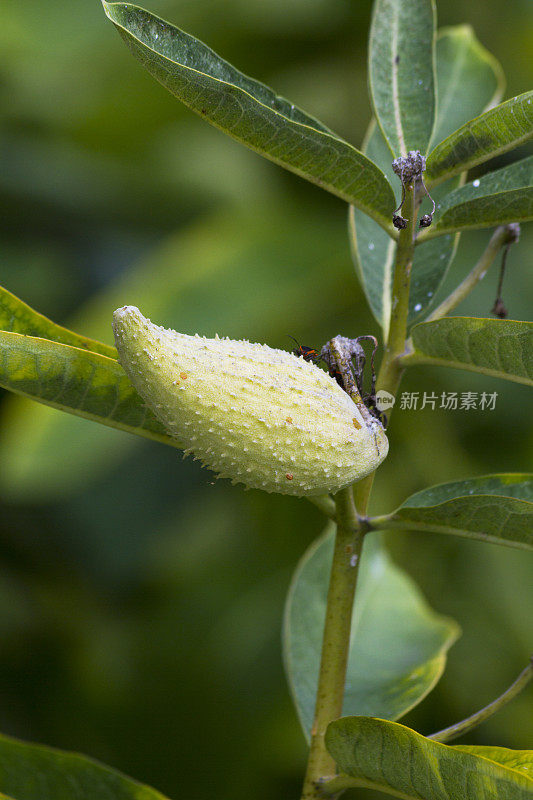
[410, 170]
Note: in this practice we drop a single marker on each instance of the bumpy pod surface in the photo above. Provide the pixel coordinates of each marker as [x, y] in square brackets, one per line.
[256, 415]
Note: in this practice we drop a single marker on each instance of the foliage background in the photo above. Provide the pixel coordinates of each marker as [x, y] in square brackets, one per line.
[140, 603]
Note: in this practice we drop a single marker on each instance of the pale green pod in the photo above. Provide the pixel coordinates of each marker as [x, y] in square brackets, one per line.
[259, 416]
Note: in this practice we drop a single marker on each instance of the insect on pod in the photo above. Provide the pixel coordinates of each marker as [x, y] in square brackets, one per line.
[259, 416]
[305, 352]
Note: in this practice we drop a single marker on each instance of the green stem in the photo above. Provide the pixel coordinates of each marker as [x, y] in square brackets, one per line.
[350, 533]
[336, 641]
[342, 782]
[337, 785]
[498, 239]
[361, 494]
[447, 734]
[390, 372]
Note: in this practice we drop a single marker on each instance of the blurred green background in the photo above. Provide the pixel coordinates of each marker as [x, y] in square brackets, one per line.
[140, 603]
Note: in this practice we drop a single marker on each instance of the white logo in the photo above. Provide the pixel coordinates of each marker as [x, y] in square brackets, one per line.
[384, 400]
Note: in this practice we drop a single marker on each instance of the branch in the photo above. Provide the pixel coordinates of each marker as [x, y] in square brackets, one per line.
[501, 236]
[454, 731]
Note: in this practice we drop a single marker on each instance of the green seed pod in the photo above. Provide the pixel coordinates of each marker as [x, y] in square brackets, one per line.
[259, 416]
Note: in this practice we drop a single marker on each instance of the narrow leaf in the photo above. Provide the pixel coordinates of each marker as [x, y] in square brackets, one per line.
[17, 317]
[252, 113]
[83, 383]
[469, 80]
[373, 250]
[396, 760]
[401, 72]
[495, 132]
[503, 348]
[216, 254]
[497, 198]
[34, 772]
[398, 644]
[494, 508]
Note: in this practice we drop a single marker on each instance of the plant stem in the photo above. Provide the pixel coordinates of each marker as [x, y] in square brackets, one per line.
[349, 539]
[336, 641]
[497, 240]
[447, 734]
[390, 371]
[361, 493]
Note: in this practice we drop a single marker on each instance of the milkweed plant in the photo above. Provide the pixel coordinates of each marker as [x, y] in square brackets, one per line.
[316, 423]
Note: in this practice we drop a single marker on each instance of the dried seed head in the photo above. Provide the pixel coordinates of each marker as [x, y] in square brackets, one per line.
[259, 416]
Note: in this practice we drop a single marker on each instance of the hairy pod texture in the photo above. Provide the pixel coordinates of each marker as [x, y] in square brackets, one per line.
[259, 416]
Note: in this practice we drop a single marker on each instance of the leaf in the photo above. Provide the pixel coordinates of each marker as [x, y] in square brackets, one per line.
[252, 113]
[398, 644]
[520, 760]
[401, 72]
[494, 508]
[17, 317]
[505, 195]
[499, 347]
[35, 772]
[373, 250]
[197, 279]
[495, 132]
[469, 80]
[83, 383]
[394, 759]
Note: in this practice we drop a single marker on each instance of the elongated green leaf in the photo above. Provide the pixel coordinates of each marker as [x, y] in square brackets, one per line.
[197, 281]
[494, 508]
[34, 772]
[485, 212]
[401, 72]
[398, 644]
[396, 760]
[17, 317]
[499, 347]
[520, 760]
[469, 80]
[505, 195]
[83, 383]
[252, 113]
[496, 131]
[373, 250]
